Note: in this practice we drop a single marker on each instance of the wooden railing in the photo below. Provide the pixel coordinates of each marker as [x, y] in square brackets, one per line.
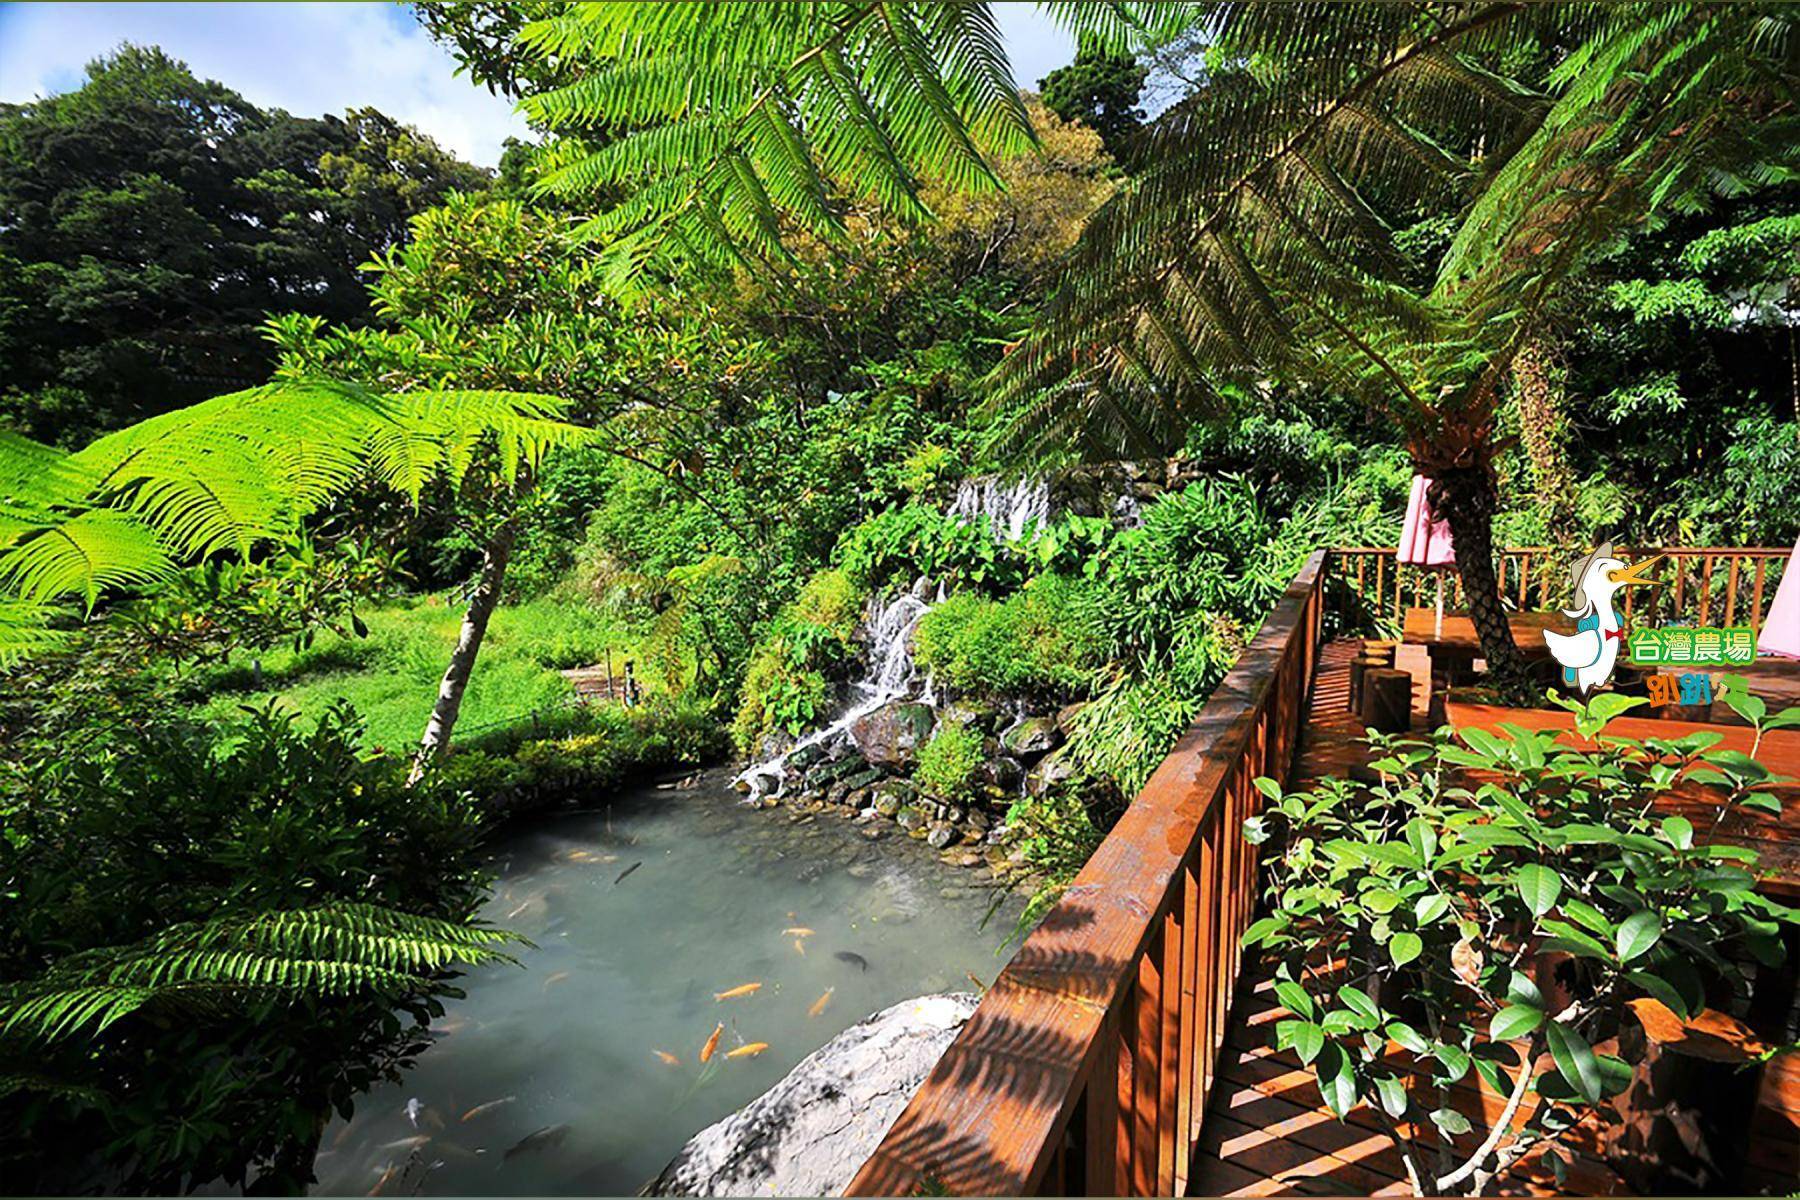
[1086, 1067]
[1706, 585]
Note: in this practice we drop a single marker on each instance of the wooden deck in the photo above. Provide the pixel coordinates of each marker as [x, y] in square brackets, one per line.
[1267, 1133]
[1124, 1049]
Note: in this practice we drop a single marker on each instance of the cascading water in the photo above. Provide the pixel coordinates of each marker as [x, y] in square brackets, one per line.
[1011, 508]
[891, 676]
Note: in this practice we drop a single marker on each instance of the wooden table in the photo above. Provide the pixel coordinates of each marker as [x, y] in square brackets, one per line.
[1453, 645]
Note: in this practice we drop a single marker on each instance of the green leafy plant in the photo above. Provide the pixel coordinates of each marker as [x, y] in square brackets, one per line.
[1032, 642]
[949, 761]
[1497, 897]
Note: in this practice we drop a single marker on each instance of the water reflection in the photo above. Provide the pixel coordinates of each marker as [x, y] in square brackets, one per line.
[581, 1072]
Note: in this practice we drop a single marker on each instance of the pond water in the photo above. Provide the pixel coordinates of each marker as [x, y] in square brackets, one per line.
[551, 1077]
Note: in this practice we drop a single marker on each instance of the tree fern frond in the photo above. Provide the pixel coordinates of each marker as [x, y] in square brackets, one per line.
[336, 950]
[229, 473]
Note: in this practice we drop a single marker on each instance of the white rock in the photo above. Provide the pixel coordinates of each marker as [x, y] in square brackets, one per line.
[809, 1134]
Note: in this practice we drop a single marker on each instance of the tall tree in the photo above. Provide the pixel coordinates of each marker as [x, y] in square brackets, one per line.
[154, 219]
[1100, 89]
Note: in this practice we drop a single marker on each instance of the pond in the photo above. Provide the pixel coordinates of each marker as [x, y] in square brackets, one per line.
[579, 1071]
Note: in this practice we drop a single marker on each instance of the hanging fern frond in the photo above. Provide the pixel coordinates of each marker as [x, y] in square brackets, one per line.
[332, 951]
[735, 124]
[229, 473]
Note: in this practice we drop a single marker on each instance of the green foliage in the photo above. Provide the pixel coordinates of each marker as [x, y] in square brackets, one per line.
[603, 748]
[236, 471]
[1031, 643]
[207, 935]
[153, 219]
[1058, 832]
[1437, 893]
[794, 669]
[390, 676]
[1100, 90]
[949, 761]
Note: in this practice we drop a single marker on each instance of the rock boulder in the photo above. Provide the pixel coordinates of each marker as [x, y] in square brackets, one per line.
[892, 734]
[809, 1134]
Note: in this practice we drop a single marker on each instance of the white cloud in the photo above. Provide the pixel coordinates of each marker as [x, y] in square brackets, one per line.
[309, 59]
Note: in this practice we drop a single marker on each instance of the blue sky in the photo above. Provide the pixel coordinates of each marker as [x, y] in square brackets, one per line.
[314, 58]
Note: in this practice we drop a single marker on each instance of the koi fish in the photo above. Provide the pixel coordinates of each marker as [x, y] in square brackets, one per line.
[628, 870]
[743, 989]
[853, 958]
[556, 978]
[413, 1109]
[490, 1106]
[800, 947]
[405, 1143]
[750, 1051]
[581, 856]
[821, 1004]
[668, 1058]
[514, 914]
[381, 1184]
[712, 1043]
[537, 1139]
[799, 931]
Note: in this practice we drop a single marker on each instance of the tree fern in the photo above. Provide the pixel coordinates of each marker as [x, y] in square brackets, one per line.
[333, 951]
[227, 474]
[731, 125]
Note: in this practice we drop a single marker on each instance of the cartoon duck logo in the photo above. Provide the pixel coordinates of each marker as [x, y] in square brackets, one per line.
[1589, 654]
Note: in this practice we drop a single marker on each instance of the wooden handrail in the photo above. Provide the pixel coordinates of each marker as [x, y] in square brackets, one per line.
[1086, 1067]
[1706, 585]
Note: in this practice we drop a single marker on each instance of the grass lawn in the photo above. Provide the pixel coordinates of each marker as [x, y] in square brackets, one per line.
[391, 676]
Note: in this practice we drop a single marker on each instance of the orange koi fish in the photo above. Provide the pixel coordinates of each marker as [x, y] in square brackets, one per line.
[490, 1106]
[712, 1043]
[797, 931]
[821, 1004]
[668, 1058]
[750, 1051]
[743, 989]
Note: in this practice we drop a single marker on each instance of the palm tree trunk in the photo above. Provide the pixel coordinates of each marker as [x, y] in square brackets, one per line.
[1465, 495]
[482, 603]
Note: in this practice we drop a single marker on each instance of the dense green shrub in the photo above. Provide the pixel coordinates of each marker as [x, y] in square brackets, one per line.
[948, 762]
[196, 824]
[893, 548]
[594, 750]
[1032, 642]
[792, 673]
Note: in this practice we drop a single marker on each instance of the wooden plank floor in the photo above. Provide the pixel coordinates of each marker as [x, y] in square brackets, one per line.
[1267, 1133]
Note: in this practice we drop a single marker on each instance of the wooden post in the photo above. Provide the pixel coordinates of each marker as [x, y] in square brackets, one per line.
[1387, 700]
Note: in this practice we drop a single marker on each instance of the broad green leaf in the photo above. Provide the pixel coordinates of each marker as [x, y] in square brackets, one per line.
[1408, 1037]
[1430, 908]
[1575, 1061]
[1637, 933]
[1293, 997]
[1304, 1038]
[1515, 1021]
[1392, 1094]
[1422, 838]
[1450, 1121]
[1679, 831]
[1263, 928]
[1455, 1060]
[1358, 1001]
[1539, 887]
[1404, 947]
[1337, 1079]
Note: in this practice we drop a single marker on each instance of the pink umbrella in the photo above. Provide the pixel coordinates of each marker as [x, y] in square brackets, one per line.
[1425, 540]
[1781, 632]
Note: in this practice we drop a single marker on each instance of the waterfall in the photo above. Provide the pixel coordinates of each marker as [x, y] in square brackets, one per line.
[891, 675]
[1010, 508]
